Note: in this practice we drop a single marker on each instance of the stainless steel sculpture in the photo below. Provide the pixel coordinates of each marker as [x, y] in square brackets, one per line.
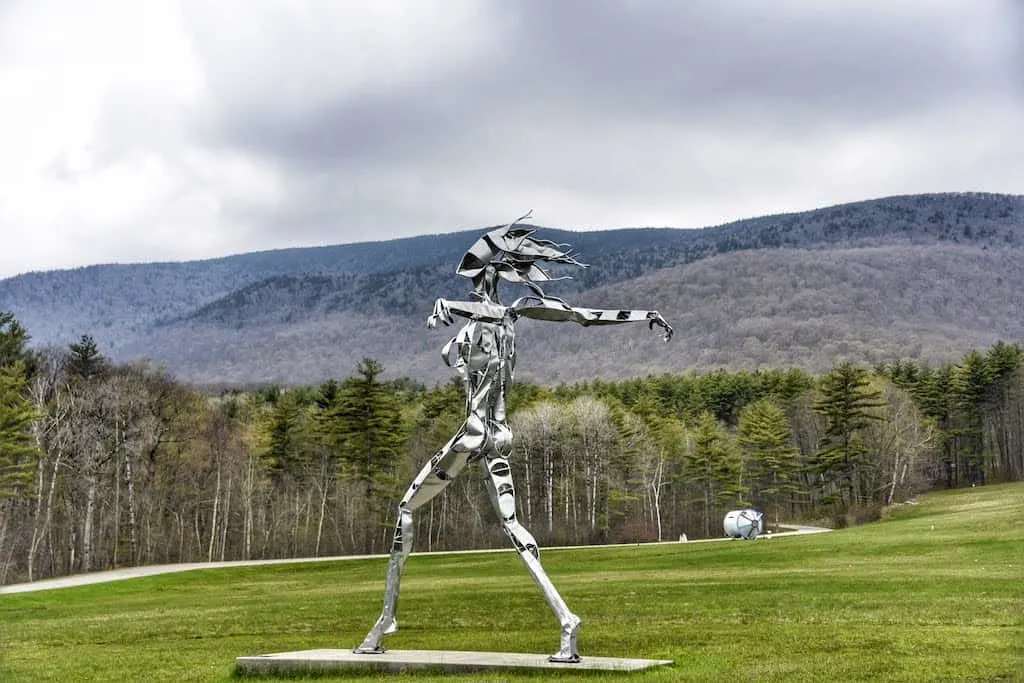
[745, 524]
[483, 353]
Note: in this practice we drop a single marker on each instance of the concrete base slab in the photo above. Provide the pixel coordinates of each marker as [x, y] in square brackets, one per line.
[327, 661]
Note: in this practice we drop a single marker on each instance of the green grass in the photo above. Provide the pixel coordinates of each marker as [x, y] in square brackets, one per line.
[934, 592]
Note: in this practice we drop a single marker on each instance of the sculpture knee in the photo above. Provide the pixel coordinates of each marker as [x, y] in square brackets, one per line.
[473, 435]
[522, 539]
[501, 439]
[402, 541]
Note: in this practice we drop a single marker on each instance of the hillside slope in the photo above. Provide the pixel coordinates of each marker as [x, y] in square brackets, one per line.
[778, 307]
[802, 289]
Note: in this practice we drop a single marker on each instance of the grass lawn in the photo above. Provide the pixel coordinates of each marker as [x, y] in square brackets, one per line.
[934, 592]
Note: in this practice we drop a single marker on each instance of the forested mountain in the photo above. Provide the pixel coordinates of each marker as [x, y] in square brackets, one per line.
[923, 276]
[105, 463]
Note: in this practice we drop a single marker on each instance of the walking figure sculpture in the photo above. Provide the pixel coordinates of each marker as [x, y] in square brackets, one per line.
[483, 353]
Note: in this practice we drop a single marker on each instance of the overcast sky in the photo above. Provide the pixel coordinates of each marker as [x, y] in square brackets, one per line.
[140, 130]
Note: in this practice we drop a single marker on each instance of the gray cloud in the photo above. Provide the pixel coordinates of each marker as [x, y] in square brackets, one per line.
[774, 65]
[327, 122]
[635, 103]
[843, 60]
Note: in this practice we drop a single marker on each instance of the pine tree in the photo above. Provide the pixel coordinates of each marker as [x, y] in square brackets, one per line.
[934, 395]
[959, 398]
[13, 341]
[86, 361]
[325, 450]
[766, 441]
[324, 433]
[18, 452]
[368, 427]
[972, 384]
[368, 423]
[285, 454]
[1001, 418]
[1003, 359]
[713, 464]
[849, 405]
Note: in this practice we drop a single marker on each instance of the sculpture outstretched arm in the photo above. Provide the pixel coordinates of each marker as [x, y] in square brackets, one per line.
[556, 310]
[477, 310]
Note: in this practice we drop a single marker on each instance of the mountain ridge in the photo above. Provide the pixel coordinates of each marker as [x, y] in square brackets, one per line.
[144, 310]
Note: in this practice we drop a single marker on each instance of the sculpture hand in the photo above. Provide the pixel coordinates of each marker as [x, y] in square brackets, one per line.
[655, 318]
[441, 313]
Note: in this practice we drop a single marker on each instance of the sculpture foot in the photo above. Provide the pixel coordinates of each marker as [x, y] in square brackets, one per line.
[371, 643]
[568, 653]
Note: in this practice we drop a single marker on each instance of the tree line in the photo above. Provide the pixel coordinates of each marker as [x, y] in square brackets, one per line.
[106, 465]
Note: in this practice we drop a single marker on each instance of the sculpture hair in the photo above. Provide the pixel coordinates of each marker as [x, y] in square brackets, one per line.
[513, 254]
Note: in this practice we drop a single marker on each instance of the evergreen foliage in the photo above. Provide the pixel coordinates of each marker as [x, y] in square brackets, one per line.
[368, 423]
[849, 405]
[13, 340]
[285, 453]
[713, 465]
[86, 361]
[970, 386]
[969, 402]
[18, 451]
[773, 462]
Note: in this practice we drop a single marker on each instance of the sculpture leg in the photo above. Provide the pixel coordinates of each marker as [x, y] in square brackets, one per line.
[502, 491]
[401, 546]
[431, 480]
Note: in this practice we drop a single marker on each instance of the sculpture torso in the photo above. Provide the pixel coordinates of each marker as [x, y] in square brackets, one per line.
[483, 353]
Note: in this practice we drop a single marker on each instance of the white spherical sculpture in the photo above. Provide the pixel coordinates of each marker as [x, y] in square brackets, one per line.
[745, 524]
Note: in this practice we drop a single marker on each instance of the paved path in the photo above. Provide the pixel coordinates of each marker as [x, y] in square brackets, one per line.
[152, 570]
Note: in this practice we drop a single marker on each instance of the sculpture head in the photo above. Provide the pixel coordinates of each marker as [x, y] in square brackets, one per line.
[511, 253]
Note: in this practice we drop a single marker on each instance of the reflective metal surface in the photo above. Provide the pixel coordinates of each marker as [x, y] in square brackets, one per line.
[746, 524]
[483, 353]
